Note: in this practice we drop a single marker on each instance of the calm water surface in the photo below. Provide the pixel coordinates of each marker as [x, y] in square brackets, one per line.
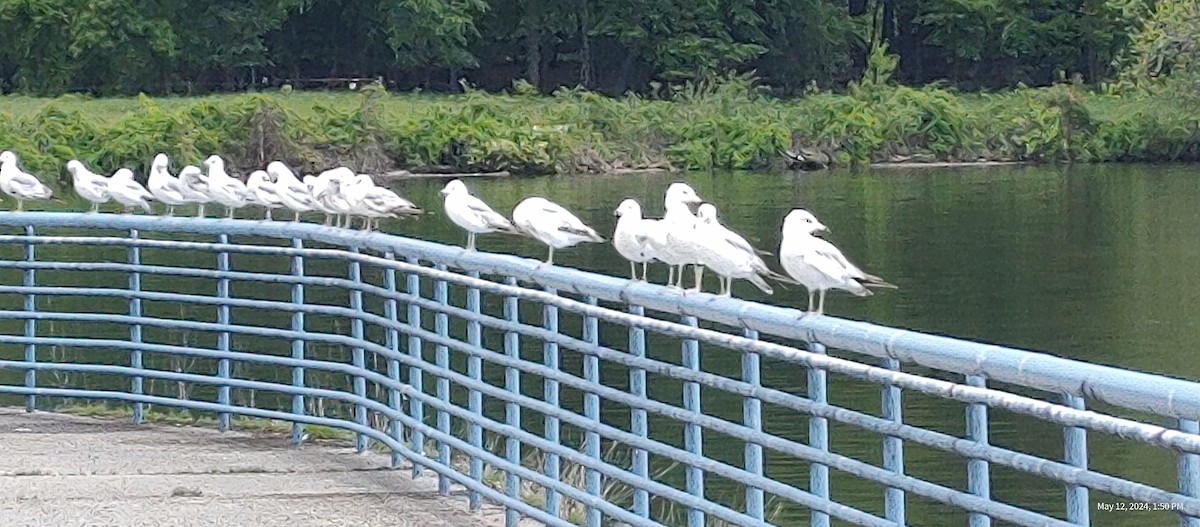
[1095, 263]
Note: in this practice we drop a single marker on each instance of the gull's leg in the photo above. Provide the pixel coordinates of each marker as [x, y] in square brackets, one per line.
[229, 213]
[727, 286]
[328, 219]
[810, 300]
[269, 213]
[670, 275]
[699, 269]
[645, 265]
[170, 210]
[550, 259]
[633, 270]
[20, 205]
[821, 306]
[297, 216]
[95, 208]
[470, 241]
[200, 210]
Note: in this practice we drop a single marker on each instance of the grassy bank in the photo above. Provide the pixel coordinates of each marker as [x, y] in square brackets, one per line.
[730, 125]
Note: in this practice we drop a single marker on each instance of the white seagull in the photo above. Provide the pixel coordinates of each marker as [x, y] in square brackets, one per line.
[195, 187]
[472, 214]
[632, 236]
[89, 185]
[729, 255]
[165, 187]
[225, 189]
[294, 194]
[18, 183]
[336, 199]
[379, 202]
[551, 224]
[670, 240]
[127, 192]
[818, 264]
[265, 192]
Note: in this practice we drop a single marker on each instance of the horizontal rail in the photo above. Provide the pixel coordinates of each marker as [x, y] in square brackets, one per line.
[1133, 390]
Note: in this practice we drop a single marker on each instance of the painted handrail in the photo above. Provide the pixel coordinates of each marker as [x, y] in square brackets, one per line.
[420, 363]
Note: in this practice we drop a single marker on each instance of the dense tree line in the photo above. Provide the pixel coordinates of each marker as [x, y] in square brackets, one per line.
[612, 46]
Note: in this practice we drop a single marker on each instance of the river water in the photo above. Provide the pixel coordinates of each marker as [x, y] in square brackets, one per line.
[1094, 263]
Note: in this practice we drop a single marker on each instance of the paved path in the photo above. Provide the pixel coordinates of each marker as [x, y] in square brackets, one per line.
[65, 471]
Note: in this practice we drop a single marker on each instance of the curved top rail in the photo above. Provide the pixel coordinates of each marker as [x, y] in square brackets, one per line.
[1128, 389]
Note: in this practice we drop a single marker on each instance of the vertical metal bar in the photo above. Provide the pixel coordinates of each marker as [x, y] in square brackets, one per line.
[693, 440]
[223, 365]
[442, 356]
[298, 344]
[357, 355]
[978, 472]
[550, 394]
[135, 329]
[818, 436]
[512, 412]
[752, 419]
[474, 398]
[1075, 454]
[1189, 472]
[395, 402]
[416, 377]
[893, 448]
[591, 410]
[30, 324]
[637, 416]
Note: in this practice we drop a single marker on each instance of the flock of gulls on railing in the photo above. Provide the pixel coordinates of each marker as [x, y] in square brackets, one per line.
[679, 239]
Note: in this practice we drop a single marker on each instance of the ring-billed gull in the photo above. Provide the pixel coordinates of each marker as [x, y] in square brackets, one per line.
[127, 192]
[195, 187]
[551, 224]
[89, 185]
[472, 214]
[225, 189]
[294, 194]
[670, 243]
[165, 187]
[336, 200]
[18, 183]
[264, 191]
[380, 202]
[818, 264]
[632, 235]
[729, 255]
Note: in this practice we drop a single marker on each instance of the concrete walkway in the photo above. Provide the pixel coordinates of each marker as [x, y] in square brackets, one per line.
[65, 471]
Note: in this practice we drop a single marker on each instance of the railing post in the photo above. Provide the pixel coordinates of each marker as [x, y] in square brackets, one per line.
[818, 435]
[30, 323]
[442, 358]
[512, 412]
[416, 377]
[893, 447]
[135, 329]
[298, 343]
[474, 398]
[550, 394]
[1075, 454]
[978, 477]
[395, 402]
[1189, 472]
[223, 344]
[637, 416]
[591, 410]
[693, 440]
[752, 419]
[357, 355]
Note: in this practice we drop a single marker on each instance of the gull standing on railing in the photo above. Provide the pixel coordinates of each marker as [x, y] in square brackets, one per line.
[551, 224]
[89, 185]
[294, 194]
[668, 241]
[127, 192]
[164, 187]
[225, 189]
[335, 200]
[729, 255]
[195, 187]
[631, 238]
[264, 191]
[472, 214]
[380, 202]
[818, 264]
[317, 185]
[18, 183]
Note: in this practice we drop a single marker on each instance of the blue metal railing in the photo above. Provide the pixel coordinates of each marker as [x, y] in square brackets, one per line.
[475, 364]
